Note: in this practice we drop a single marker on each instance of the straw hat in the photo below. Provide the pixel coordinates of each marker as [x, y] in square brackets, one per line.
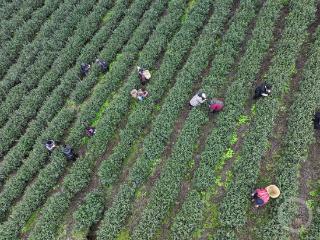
[134, 93]
[147, 74]
[273, 191]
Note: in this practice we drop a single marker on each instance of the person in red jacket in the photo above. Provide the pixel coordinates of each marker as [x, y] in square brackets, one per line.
[216, 105]
[261, 196]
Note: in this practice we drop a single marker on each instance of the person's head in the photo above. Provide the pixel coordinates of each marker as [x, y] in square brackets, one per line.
[89, 66]
[203, 96]
[50, 142]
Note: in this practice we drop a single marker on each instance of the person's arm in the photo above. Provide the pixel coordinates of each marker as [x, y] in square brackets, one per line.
[254, 193]
[264, 94]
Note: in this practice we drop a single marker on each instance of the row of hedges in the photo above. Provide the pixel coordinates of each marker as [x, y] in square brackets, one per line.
[155, 142]
[157, 9]
[167, 188]
[117, 74]
[138, 119]
[67, 19]
[161, 81]
[246, 169]
[185, 223]
[29, 108]
[80, 173]
[16, 183]
[299, 137]
[35, 195]
[39, 156]
[35, 55]
[14, 157]
[25, 34]
[9, 26]
[8, 9]
[48, 111]
[62, 99]
[313, 231]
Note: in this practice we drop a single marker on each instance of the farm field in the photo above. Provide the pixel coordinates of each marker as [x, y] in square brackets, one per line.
[157, 168]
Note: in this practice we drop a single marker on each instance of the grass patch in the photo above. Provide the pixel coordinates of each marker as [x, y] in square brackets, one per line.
[31, 222]
[190, 6]
[124, 235]
[106, 17]
[79, 235]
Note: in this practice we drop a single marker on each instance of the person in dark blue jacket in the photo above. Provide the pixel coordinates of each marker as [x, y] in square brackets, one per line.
[84, 69]
[103, 65]
[68, 152]
[316, 120]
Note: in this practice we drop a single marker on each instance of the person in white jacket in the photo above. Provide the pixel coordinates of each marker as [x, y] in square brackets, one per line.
[197, 99]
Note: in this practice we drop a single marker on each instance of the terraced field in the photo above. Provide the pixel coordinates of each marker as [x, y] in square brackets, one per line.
[156, 169]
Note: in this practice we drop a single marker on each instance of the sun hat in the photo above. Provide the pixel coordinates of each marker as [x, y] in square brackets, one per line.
[273, 191]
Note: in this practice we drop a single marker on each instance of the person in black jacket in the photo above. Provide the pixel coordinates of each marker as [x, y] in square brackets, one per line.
[316, 120]
[263, 90]
[68, 152]
[103, 65]
[84, 69]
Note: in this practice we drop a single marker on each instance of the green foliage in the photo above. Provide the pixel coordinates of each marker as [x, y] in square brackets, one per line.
[236, 202]
[167, 187]
[26, 32]
[80, 172]
[243, 119]
[299, 137]
[45, 41]
[234, 139]
[36, 58]
[161, 81]
[219, 140]
[38, 158]
[124, 235]
[33, 103]
[155, 142]
[29, 225]
[24, 13]
[89, 211]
